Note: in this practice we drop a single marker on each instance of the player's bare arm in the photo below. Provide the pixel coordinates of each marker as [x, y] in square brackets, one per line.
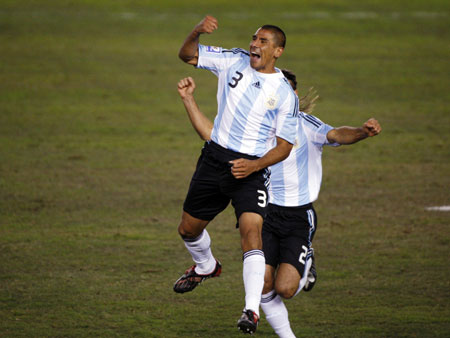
[202, 125]
[242, 167]
[189, 50]
[350, 135]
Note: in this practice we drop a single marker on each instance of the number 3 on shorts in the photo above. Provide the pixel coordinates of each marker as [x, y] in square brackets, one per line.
[262, 198]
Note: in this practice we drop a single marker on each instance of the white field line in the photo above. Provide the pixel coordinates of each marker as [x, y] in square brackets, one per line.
[439, 208]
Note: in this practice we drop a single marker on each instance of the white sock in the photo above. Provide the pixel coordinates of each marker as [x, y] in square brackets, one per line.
[276, 314]
[253, 274]
[200, 250]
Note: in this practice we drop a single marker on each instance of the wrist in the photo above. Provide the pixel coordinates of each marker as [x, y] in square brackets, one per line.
[196, 32]
[257, 165]
[187, 97]
[364, 132]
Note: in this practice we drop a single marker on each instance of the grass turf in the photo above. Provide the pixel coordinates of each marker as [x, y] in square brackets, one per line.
[96, 155]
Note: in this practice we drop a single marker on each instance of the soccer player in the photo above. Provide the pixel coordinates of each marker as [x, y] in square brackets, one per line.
[291, 221]
[255, 127]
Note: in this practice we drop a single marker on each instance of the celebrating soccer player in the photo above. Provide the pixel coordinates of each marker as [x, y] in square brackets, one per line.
[291, 220]
[255, 127]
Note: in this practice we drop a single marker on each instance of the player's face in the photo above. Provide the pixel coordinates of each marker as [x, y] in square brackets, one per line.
[263, 51]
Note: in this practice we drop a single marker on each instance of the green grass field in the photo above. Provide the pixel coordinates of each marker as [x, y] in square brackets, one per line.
[96, 154]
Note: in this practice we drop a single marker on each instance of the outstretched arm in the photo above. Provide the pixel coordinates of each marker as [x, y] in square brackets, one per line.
[189, 50]
[349, 135]
[242, 167]
[202, 125]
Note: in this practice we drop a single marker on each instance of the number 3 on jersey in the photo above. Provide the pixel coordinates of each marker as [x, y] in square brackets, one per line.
[236, 79]
[262, 198]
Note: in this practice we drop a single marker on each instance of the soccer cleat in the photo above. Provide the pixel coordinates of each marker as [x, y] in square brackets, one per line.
[248, 322]
[191, 279]
[312, 276]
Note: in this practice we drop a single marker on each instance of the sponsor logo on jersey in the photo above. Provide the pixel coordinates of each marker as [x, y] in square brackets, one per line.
[212, 49]
[257, 85]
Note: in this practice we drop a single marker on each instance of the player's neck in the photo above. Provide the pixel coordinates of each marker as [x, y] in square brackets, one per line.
[266, 71]
[270, 71]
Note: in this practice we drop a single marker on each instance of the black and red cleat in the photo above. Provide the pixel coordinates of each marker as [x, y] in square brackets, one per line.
[191, 279]
[248, 323]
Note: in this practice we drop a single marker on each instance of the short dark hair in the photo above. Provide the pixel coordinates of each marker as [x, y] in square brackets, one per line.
[291, 77]
[280, 37]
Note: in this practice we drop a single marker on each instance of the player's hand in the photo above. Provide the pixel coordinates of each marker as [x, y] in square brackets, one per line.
[242, 167]
[372, 127]
[208, 25]
[186, 87]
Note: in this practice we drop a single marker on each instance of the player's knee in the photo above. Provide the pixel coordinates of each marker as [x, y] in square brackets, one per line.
[251, 240]
[181, 231]
[191, 229]
[185, 232]
[250, 225]
[285, 291]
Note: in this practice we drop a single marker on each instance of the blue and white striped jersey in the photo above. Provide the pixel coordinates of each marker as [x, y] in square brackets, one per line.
[253, 107]
[296, 180]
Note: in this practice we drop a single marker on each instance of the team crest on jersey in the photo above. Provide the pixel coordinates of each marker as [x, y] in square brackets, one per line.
[271, 101]
[212, 49]
[296, 145]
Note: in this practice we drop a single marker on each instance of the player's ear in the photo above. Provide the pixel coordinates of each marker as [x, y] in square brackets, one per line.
[278, 52]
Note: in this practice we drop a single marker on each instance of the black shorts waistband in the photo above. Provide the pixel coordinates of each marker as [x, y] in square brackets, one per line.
[222, 154]
[281, 208]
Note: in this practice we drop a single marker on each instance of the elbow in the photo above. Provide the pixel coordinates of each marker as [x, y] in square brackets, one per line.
[190, 60]
[186, 57]
[205, 135]
[204, 138]
[283, 149]
[189, 56]
[183, 57]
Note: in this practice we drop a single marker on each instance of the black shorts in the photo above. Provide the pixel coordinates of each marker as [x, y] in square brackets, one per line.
[213, 186]
[287, 234]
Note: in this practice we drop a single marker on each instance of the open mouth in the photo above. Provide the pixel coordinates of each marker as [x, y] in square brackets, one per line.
[255, 55]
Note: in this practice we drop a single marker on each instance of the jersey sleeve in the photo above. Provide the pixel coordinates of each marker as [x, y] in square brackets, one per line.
[317, 130]
[216, 59]
[287, 120]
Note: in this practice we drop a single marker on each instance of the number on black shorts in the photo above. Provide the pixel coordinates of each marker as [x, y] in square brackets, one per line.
[262, 198]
